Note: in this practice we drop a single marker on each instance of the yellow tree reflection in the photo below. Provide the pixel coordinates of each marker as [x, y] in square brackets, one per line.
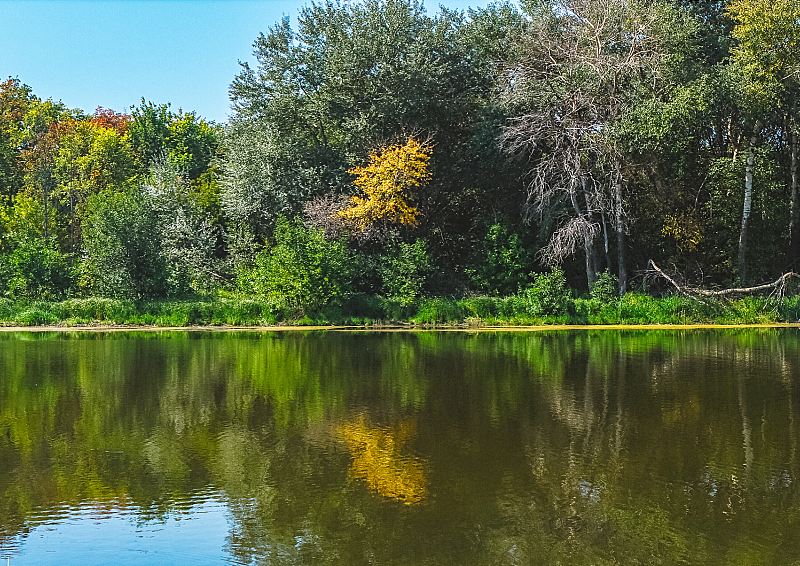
[377, 459]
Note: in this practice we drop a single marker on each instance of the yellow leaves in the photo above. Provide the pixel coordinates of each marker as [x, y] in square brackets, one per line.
[385, 182]
[768, 32]
[377, 460]
[686, 230]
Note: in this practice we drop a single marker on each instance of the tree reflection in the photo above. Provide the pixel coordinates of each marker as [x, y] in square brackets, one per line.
[583, 447]
[377, 459]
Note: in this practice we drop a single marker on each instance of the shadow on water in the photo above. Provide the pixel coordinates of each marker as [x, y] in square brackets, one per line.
[503, 448]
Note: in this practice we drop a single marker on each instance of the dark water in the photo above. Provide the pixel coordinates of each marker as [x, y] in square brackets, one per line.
[432, 448]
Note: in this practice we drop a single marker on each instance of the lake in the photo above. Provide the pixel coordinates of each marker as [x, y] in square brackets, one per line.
[572, 447]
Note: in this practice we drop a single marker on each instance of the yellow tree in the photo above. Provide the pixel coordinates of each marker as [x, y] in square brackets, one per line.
[377, 459]
[385, 184]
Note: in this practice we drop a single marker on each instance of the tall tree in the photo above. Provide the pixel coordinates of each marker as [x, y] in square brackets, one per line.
[581, 65]
[184, 139]
[767, 56]
[355, 76]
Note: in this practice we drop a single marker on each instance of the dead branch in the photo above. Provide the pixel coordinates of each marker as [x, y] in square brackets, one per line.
[776, 288]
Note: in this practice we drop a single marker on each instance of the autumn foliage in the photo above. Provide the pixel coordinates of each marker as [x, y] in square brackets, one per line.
[385, 184]
[378, 460]
[108, 118]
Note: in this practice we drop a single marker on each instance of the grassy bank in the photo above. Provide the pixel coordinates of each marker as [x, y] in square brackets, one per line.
[633, 309]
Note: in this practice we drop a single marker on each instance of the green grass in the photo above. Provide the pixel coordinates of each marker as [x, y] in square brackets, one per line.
[631, 309]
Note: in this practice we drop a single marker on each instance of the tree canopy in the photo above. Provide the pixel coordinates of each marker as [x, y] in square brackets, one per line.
[467, 150]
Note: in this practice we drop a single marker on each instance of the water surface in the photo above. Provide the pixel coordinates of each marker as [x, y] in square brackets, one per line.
[586, 447]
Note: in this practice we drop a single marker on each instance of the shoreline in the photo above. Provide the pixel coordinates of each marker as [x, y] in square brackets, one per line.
[393, 328]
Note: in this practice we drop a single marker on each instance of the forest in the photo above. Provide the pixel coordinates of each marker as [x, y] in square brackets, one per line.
[523, 162]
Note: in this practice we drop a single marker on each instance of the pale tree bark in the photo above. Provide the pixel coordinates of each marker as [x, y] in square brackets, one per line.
[588, 240]
[606, 256]
[747, 207]
[794, 204]
[591, 262]
[622, 271]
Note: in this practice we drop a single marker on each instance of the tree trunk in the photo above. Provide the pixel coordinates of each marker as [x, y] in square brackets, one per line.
[605, 241]
[741, 257]
[591, 261]
[591, 277]
[588, 242]
[622, 272]
[45, 180]
[794, 204]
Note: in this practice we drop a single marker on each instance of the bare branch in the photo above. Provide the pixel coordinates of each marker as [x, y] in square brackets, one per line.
[777, 288]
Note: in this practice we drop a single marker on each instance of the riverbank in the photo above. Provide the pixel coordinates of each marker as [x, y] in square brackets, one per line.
[99, 328]
[635, 310]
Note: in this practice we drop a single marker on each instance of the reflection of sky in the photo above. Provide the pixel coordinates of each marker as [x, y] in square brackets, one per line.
[87, 536]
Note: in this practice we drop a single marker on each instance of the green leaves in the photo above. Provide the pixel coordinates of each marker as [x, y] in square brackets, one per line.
[185, 140]
[302, 272]
[123, 249]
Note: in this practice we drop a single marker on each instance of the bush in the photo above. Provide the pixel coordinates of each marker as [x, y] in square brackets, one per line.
[362, 306]
[403, 273]
[303, 272]
[35, 317]
[120, 235]
[481, 307]
[548, 295]
[35, 269]
[96, 309]
[500, 266]
[605, 288]
[790, 309]
[439, 311]
[186, 232]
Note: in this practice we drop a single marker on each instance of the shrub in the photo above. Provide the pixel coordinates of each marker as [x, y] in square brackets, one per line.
[303, 272]
[35, 268]
[500, 265]
[96, 309]
[187, 236]
[247, 312]
[548, 295]
[513, 307]
[790, 309]
[433, 311]
[481, 307]
[403, 273]
[605, 287]
[120, 235]
[35, 317]
[362, 306]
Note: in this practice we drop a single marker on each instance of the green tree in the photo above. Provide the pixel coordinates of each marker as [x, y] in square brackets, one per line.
[302, 272]
[404, 271]
[123, 256]
[185, 140]
[88, 158]
[186, 231]
[351, 77]
[501, 264]
[582, 66]
[767, 56]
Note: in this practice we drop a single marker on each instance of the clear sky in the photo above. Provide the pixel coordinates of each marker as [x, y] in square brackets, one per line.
[112, 53]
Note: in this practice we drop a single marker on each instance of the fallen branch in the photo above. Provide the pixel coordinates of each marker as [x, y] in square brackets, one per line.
[778, 287]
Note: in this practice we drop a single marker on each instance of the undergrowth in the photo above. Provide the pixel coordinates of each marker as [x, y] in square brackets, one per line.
[522, 309]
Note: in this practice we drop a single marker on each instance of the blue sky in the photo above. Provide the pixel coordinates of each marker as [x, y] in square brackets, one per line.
[112, 53]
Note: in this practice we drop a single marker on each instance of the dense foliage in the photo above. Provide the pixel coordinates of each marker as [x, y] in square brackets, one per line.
[379, 154]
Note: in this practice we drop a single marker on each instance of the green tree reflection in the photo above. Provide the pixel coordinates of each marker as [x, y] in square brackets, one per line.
[582, 448]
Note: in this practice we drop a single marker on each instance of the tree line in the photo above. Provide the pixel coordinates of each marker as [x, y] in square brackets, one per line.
[378, 149]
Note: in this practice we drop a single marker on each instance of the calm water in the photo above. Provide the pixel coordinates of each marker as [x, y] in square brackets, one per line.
[431, 448]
